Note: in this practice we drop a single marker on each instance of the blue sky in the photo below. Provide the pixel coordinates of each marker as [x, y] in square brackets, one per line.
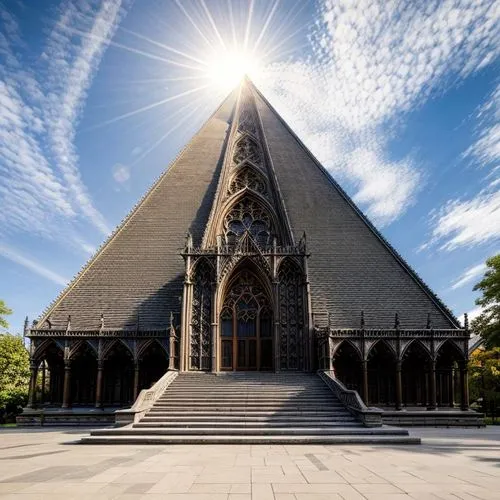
[399, 100]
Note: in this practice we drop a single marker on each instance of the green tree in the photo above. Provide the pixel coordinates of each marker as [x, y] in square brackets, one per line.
[484, 379]
[14, 375]
[487, 324]
[4, 311]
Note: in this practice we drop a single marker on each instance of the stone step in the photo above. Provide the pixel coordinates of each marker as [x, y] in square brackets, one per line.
[216, 439]
[276, 431]
[244, 424]
[245, 418]
[239, 414]
[249, 406]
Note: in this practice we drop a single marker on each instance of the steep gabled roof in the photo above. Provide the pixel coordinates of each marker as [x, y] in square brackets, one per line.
[136, 278]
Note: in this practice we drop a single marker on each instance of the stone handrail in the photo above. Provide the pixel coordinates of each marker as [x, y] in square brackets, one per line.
[145, 400]
[370, 417]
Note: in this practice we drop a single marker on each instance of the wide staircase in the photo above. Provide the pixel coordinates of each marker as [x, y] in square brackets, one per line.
[254, 408]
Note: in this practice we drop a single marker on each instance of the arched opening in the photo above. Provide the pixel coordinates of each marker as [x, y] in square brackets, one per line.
[50, 382]
[415, 370]
[83, 377]
[448, 362]
[381, 375]
[347, 366]
[118, 376]
[152, 365]
[246, 340]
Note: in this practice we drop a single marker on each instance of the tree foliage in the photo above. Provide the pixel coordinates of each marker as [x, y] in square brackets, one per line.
[487, 324]
[4, 311]
[484, 379]
[14, 375]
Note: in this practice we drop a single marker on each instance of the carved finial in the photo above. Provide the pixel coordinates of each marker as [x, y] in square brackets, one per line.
[34, 323]
[189, 240]
[466, 321]
[68, 324]
[102, 321]
[48, 321]
[429, 322]
[26, 326]
[396, 321]
[171, 319]
[362, 320]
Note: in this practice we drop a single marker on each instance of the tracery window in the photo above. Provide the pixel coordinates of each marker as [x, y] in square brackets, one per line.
[200, 344]
[248, 215]
[248, 178]
[247, 122]
[247, 149]
[291, 307]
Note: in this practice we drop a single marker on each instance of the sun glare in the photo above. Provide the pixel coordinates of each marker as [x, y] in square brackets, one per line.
[225, 70]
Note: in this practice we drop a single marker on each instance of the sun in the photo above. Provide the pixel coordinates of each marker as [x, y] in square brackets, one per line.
[226, 69]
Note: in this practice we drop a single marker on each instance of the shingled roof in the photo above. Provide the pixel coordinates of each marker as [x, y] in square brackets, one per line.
[136, 278]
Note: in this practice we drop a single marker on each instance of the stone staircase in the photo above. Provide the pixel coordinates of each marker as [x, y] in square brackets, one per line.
[254, 408]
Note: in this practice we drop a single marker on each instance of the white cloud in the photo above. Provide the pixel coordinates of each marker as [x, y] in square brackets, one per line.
[375, 61]
[121, 173]
[474, 313]
[467, 222]
[40, 183]
[468, 275]
[14, 256]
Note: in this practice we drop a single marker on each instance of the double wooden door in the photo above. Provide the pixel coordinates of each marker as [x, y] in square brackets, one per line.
[246, 342]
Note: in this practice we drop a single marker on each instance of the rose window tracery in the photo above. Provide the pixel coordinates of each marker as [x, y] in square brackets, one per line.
[248, 215]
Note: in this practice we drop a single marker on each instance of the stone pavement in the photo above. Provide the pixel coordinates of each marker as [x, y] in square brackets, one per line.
[450, 464]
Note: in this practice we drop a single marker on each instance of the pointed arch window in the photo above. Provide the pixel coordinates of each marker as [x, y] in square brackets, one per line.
[247, 149]
[248, 215]
[248, 178]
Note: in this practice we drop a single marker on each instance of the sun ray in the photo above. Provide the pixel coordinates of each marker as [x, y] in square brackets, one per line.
[212, 23]
[231, 22]
[148, 107]
[178, 124]
[266, 25]
[191, 20]
[130, 49]
[248, 26]
[163, 46]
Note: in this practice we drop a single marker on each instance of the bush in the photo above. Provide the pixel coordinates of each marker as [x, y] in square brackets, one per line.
[14, 376]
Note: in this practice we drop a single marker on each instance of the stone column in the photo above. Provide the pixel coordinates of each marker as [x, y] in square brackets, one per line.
[42, 392]
[136, 379]
[464, 387]
[214, 328]
[432, 397]
[399, 387]
[99, 384]
[365, 381]
[329, 346]
[32, 385]
[67, 384]
[451, 389]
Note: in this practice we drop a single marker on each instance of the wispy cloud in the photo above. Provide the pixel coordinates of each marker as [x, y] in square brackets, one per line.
[476, 220]
[468, 275]
[374, 62]
[14, 256]
[40, 182]
[467, 222]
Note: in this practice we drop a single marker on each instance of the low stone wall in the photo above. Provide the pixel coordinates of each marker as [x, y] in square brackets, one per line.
[433, 418]
[33, 417]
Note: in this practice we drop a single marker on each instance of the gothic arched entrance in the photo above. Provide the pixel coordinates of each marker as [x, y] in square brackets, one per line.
[246, 319]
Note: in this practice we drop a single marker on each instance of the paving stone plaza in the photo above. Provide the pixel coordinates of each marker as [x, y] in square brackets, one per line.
[50, 464]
